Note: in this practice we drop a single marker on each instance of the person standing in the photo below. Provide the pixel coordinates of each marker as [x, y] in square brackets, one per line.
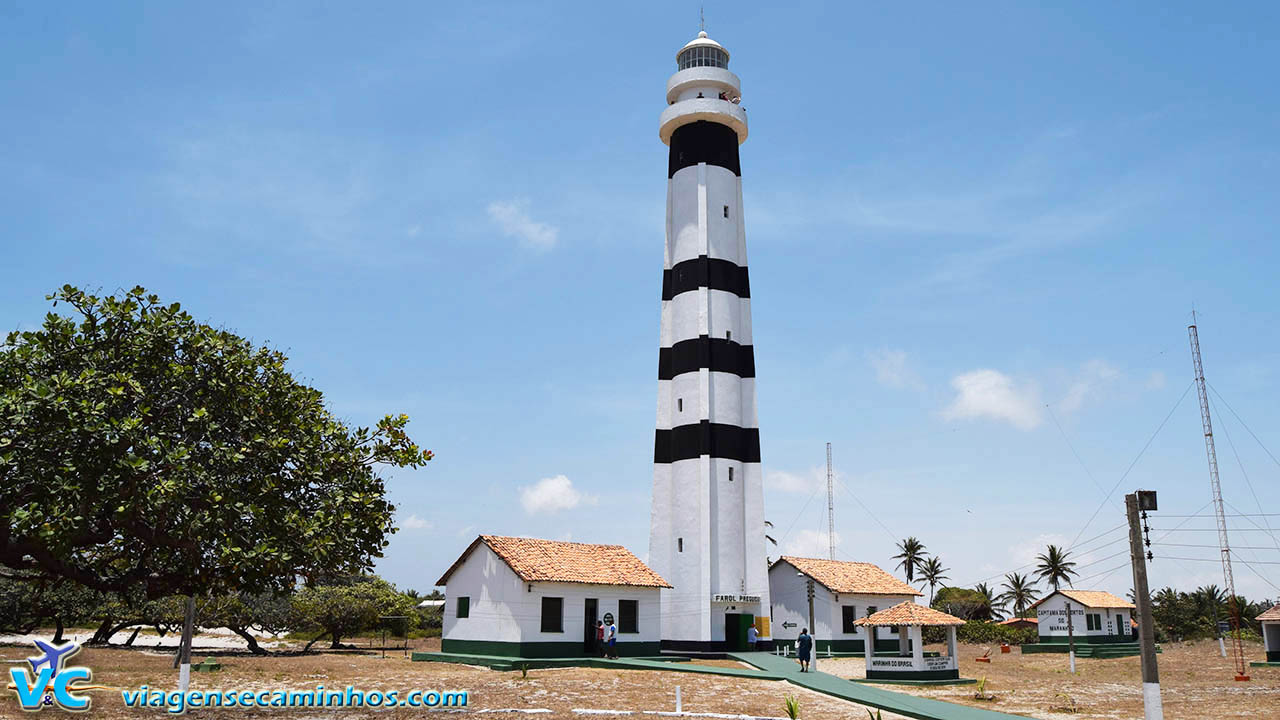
[612, 633]
[804, 649]
[752, 637]
[599, 648]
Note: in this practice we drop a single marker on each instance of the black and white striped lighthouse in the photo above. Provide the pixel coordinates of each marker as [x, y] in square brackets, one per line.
[707, 519]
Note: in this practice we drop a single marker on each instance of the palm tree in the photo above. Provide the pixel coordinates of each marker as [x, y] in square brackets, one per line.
[1054, 566]
[994, 606]
[931, 574]
[1018, 592]
[912, 557]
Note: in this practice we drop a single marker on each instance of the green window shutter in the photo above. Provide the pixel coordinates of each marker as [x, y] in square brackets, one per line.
[464, 607]
[849, 613]
[628, 616]
[552, 614]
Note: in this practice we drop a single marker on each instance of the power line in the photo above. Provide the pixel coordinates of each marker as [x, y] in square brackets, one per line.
[1215, 547]
[1218, 560]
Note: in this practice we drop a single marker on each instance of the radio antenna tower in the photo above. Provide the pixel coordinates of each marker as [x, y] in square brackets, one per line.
[831, 507]
[1237, 647]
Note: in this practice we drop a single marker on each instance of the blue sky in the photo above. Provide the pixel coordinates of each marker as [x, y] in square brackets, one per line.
[976, 233]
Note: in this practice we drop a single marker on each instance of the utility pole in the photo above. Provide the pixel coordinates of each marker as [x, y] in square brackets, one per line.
[1153, 706]
[831, 509]
[1224, 546]
[813, 632]
[1071, 638]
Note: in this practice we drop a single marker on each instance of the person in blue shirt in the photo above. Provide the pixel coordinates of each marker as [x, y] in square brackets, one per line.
[804, 649]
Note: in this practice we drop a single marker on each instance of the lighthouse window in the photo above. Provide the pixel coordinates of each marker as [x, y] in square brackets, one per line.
[703, 57]
[679, 404]
[728, 334]
[726, 211]
[679, 544]
[730, 474]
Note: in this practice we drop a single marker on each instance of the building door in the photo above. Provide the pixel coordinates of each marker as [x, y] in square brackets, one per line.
[589, 626]
[735, 630]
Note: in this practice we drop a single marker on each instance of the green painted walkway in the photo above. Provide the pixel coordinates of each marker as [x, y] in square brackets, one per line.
[783, 668]
[770, 667]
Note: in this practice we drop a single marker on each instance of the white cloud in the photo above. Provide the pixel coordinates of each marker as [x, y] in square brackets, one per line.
[413, 522]
[800, 483]
[809, 543]
[892, 370]
[1093, 377]
[553, 494]
[514, 221]
[992, 394]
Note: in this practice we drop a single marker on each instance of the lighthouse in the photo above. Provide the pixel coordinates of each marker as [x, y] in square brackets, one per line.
[707, 519]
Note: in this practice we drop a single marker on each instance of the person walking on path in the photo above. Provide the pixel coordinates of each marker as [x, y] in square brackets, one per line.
[599, 648]
[752, 637]
[612, 633]
[804, 648]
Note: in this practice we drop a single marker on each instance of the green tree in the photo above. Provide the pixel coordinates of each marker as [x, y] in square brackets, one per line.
[142, 450]
[963, 603]
[242, 613]
[347, 606]
[911, 557]
[932, 574]
[1019, 593]
[994, 605]
[1054, 567]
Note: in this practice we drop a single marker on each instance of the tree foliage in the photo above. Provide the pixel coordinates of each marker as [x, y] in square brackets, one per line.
[910, 557]
[142, 449]
[346, 606]
[963, 603]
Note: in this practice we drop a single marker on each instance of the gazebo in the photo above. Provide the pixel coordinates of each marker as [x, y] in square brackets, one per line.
[1270, 621]
[910, 664]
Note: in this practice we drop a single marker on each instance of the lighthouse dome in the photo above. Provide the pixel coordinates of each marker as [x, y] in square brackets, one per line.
[702, 51]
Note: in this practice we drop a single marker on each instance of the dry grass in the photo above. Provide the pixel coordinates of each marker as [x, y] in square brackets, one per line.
[1196, 683]
[560, 690]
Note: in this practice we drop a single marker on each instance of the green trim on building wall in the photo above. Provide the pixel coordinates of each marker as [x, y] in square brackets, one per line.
[541, 649]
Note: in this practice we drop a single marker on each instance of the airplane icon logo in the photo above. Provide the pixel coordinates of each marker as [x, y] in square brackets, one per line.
[55, 656]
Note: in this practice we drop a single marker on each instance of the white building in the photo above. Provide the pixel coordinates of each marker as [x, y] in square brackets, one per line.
[1271, 634]
[707, 517]
[1097, 617]
[844, 592]
[531, 598]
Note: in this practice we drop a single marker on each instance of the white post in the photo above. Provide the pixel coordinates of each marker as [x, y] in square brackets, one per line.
[678, 708]
[917, 646]
[1222, 646]
[867, 652]
[951, 645]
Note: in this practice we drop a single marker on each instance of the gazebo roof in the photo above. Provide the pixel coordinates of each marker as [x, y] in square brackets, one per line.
[909, 613]
[1272, 615]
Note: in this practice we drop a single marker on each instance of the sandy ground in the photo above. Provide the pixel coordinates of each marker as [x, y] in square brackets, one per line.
[1196, 682]
[558, 691]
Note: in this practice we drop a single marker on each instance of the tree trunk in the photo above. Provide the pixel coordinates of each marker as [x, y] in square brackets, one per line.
[134, 636]
[314, 640]
[57, 632]
[100, 635]
[252, 642]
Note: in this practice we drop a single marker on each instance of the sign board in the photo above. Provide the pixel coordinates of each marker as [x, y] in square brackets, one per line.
[608, 618]
[939, 662]
[893, 663]
[735, 598]
[1147, 500]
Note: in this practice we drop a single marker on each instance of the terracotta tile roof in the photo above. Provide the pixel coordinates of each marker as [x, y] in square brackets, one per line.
[909, 613]
[1090, 599]
[1013, 620]
[537, 560]
[853, 578]
[1272, 614]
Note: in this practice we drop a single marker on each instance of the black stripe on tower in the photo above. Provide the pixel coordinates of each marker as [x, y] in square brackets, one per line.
[705, 272]
[715, 354]
[686, 442]
[704, 142]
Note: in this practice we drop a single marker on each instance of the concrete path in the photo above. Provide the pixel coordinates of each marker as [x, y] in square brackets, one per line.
[783, 668]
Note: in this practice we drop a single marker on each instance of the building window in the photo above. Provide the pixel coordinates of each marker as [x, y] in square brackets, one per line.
[679, 544]
[552, 615]
[1094, 621]
[730, 474]
[463, 608]
[679, 404]
[849, 613]
[628, 616]
[1119, 624]
[726, 211]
